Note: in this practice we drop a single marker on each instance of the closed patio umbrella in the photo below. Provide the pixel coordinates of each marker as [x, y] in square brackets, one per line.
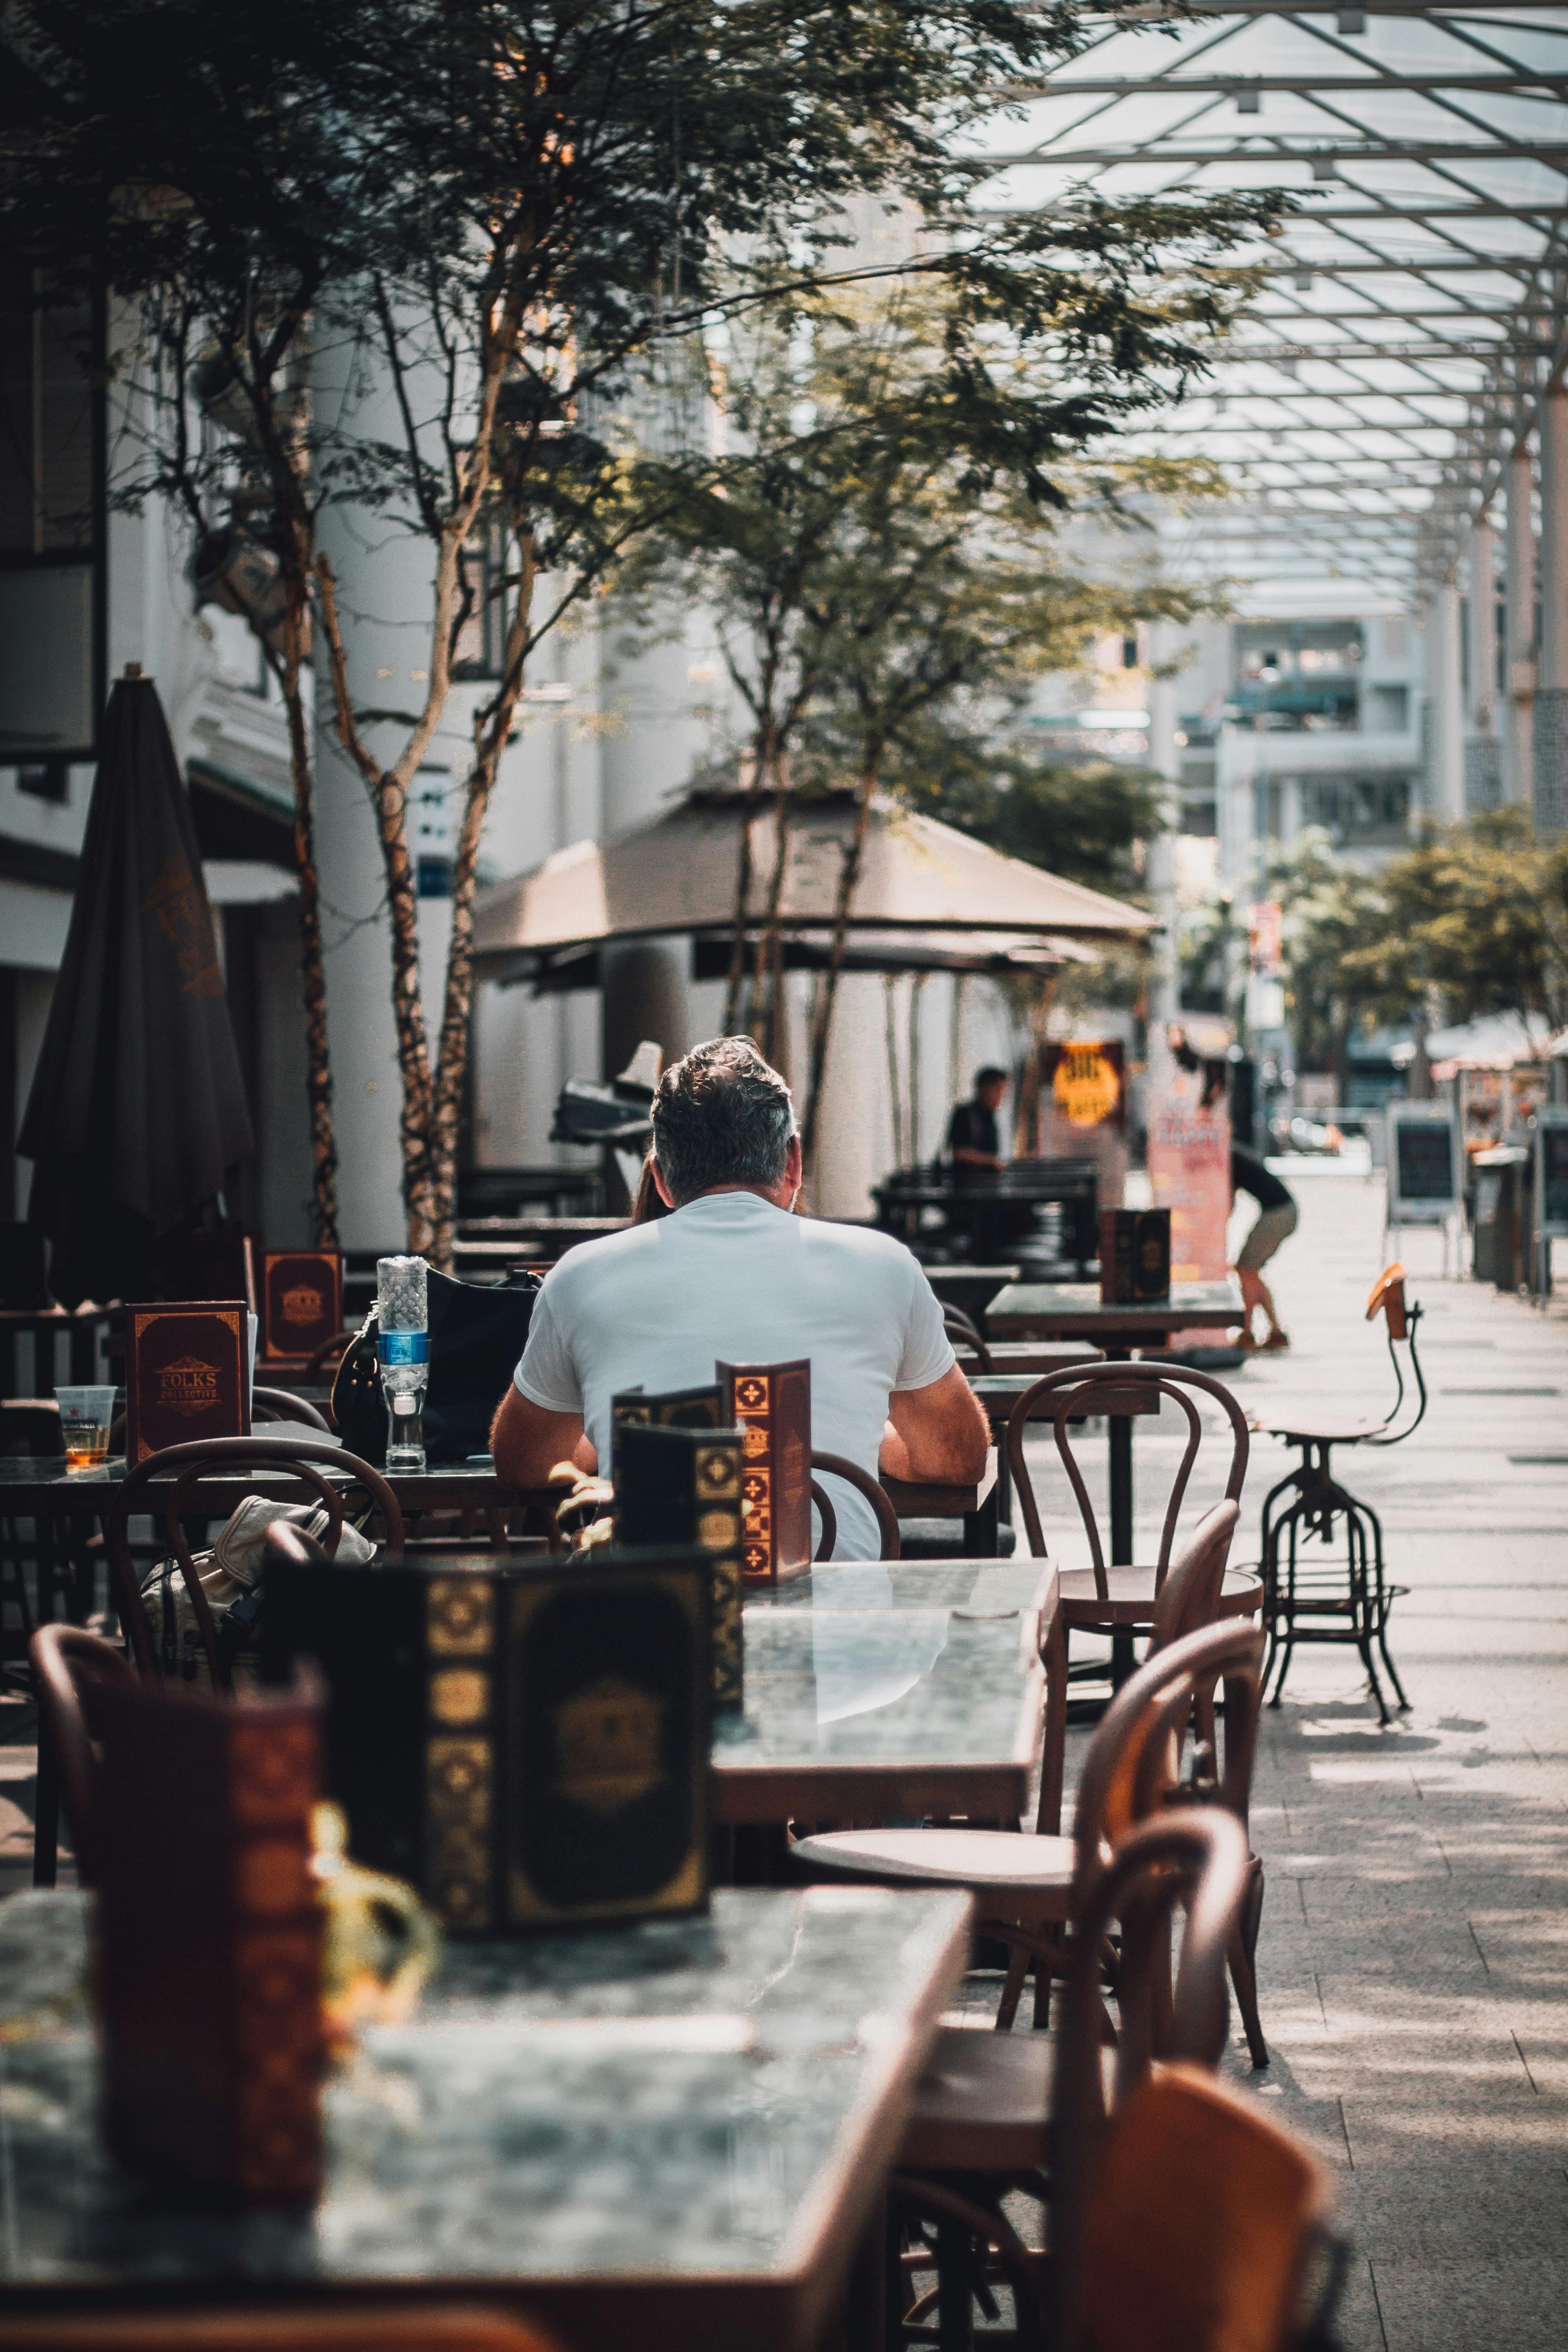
[137, 1112]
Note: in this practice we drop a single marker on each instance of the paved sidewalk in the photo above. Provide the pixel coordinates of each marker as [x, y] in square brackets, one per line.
[1415, 1943]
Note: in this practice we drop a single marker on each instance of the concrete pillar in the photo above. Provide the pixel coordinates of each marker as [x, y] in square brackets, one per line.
[1552, 698]
[1483, 751]
[1166, 759]
[1446, 771]
[1518, 764]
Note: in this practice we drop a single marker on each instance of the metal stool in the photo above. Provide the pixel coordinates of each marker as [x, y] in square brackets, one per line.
[1336, 1599]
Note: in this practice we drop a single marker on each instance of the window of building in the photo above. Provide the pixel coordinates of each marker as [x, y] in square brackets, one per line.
[51, 520]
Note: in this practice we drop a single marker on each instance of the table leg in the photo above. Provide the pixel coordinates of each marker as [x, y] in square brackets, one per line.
[1119, 1433]
[980, 1529]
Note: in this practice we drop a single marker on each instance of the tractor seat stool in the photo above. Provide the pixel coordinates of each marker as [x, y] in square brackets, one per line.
[1338, 1597]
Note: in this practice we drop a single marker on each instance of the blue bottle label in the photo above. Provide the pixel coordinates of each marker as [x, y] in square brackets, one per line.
[404, 1347]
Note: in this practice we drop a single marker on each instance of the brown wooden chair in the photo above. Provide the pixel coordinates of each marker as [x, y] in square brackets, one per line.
[1106, 1598]
[184, 1467]
[1028, 1885]
[281, 1404]
[838, 1466]
[1191, 1857]
[964, 1332]
[410, 2325]
[68, 1662]
[1200, 2223]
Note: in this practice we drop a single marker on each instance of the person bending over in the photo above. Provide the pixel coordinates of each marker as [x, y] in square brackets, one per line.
[731, 1276]
[1278, 1216]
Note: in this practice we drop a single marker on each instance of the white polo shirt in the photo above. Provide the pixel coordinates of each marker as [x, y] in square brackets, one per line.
[730, 1278]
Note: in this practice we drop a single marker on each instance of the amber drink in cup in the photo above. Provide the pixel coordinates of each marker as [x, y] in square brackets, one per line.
[85, 1417]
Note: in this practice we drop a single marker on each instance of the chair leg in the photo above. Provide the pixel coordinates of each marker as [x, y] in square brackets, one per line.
[1243, 1959]
[1361, 1599]
[1383, 1604]
[1012, 1988]
[46, 1812]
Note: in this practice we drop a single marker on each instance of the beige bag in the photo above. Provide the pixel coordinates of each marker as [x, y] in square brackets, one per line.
[230, 1577]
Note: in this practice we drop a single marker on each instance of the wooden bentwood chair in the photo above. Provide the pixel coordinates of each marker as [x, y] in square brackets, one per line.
[1328, 1598]
[186, 1467]
[1029, 1887]
[407, 2326]
[1110, 1598]
[838, 1466]
[1179, 2219]
[70, 1665]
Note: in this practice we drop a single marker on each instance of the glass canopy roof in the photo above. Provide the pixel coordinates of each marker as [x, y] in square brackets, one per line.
[1414, 309]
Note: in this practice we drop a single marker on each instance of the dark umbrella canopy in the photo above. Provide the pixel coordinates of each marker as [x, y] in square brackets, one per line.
[137, 1111]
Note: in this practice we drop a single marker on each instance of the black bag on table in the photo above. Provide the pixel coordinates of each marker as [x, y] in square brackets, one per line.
[477, 1334]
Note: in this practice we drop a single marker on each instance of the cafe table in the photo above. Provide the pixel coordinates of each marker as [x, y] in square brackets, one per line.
[880, 1690]
[670, 2134]
[30, 1486]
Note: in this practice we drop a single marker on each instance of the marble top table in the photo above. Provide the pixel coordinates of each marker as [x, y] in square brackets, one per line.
[881, 1691]
[655, 2136]
[1075, 1310]
[30, 1484]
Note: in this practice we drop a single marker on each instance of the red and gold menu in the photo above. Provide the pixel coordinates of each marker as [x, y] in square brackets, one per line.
[771, 1405]
[184, 1375]
[302, 1302]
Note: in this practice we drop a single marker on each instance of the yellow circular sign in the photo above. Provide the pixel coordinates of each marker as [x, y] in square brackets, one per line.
[1086, 1088]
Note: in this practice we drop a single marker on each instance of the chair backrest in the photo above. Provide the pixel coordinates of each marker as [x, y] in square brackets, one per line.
[1401, 1314]
[328, 1354]
[838, 1466]
[1072, 1395]
[1194, 1856]
[184, 1467]
[30, 1427]
[1199, 2226]
[964, 1332]
[281, 1405]
[1134, 1758]
[66, 1661]
[1189, 1597]
[408, 2326]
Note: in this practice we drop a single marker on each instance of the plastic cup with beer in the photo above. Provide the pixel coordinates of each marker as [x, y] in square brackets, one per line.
[85, 1416]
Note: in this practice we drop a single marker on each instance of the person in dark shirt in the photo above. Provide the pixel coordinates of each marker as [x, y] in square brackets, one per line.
[973, 1141]
[1278, 1217]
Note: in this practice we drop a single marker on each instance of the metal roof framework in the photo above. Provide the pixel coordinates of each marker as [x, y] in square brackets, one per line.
[1415, 310]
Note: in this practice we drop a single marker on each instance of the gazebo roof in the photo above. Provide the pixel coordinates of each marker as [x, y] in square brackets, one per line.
[954, 901]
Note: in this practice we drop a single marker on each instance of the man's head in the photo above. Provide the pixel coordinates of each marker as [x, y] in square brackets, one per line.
[990, 1085]
[723, 1117]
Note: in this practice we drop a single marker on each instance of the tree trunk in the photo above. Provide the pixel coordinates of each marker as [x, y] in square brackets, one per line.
[1027, 1123]
[750, 808]
[312, 969]
[821, 1023]
[491, 734]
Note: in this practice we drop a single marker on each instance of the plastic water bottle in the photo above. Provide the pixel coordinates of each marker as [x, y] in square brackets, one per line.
[403, 1347]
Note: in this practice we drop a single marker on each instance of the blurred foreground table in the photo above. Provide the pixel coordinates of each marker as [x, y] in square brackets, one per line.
[661, 2135]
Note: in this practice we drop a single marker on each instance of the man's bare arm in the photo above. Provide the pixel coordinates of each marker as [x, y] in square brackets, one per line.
[527, 1442]
[938, 1434]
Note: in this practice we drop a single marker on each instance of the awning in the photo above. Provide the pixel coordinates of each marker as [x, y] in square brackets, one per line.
[928, 898]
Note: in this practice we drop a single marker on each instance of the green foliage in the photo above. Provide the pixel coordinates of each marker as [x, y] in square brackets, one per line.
[1472, 920]
[1475, 916]
[1085, 819]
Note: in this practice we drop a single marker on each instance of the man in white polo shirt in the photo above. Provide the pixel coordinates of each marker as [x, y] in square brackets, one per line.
[733, 1275]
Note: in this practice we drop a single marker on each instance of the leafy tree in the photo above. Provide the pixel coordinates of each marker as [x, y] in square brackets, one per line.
[189, 160]
[1085, 819]
[1475, 915]
[504, 206]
